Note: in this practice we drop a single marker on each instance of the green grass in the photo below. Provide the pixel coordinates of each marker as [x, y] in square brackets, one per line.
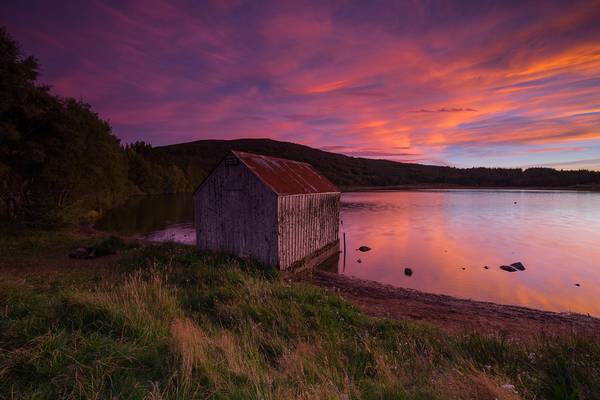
[16, 243]
[169, 323]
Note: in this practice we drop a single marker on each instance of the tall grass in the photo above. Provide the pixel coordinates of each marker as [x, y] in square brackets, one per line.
[169, 323]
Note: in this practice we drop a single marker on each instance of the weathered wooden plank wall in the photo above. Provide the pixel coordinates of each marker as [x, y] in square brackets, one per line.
[307, 223]
[237, 214]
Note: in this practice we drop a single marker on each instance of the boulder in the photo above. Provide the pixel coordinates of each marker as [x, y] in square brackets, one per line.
[508, 268]
[106, 247]
[92, 253]
[80, 252]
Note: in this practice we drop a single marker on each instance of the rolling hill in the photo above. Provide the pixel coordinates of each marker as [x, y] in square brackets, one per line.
[199, 157]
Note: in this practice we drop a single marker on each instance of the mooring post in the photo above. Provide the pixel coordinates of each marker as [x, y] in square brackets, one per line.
[344, 251]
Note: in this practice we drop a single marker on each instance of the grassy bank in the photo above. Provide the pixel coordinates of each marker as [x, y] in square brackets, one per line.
[164, 322]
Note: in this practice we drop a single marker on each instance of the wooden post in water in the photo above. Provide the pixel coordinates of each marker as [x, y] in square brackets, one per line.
[344, 251]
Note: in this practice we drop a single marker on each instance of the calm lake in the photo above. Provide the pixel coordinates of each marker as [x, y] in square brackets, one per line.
[446, 237]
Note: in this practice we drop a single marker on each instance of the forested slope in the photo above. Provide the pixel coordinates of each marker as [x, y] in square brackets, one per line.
[199, 157]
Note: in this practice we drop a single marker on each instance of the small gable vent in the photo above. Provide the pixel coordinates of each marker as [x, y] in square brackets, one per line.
[231, 161]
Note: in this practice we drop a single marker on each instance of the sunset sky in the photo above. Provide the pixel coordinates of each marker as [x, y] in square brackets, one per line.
[439, 82]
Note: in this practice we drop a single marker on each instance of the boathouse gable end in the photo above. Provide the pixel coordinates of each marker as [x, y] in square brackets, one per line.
[235, 213]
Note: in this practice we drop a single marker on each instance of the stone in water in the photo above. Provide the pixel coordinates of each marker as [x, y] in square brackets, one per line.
[518, 265]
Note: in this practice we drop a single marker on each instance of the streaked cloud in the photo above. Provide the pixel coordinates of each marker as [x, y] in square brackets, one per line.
[444, 109]
[555, 149]
[459, 83]
[593, 163]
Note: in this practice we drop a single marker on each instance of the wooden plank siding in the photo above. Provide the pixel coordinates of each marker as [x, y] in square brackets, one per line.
[307, 223]
[235, 213]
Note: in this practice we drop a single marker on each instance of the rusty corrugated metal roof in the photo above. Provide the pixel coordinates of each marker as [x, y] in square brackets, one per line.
[286, 177]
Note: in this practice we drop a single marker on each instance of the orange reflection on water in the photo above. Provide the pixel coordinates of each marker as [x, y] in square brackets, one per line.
[438, 233]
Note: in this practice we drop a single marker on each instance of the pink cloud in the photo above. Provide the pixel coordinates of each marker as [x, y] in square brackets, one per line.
[430, 80]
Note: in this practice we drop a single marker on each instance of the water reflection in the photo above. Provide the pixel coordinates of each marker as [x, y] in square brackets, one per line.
[180, 233]
[446, 238]
[148, 214]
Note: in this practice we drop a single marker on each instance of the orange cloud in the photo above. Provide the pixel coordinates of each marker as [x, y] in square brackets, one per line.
[499, 81]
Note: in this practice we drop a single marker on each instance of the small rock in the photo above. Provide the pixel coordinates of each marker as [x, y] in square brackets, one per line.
[91, 253]
[515, 202]
[364, 248]
[518, 265]
[463, 268]
[486, 267]
[508, 268]
[359, 261]
[408, 271]
[577, 284]
[80, 252]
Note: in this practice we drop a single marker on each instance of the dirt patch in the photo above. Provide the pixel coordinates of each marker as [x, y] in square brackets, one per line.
[453, 314]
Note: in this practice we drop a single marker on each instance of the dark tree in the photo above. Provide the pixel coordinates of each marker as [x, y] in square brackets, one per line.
[57, 157]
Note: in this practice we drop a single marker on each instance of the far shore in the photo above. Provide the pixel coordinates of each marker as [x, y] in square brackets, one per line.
[400, 188]
[467, 187]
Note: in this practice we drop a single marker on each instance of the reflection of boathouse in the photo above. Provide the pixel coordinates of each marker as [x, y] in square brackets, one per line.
[279, 212]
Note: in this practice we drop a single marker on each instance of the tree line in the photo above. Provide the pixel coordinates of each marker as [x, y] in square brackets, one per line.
[58, 158]
[353, 172]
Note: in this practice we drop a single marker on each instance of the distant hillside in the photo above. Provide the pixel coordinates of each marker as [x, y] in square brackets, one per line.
[199, 157]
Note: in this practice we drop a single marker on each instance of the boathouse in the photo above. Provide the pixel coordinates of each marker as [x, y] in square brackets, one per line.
[279, 212]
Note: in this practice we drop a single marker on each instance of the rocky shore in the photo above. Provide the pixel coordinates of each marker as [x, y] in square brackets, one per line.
[454, 314]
